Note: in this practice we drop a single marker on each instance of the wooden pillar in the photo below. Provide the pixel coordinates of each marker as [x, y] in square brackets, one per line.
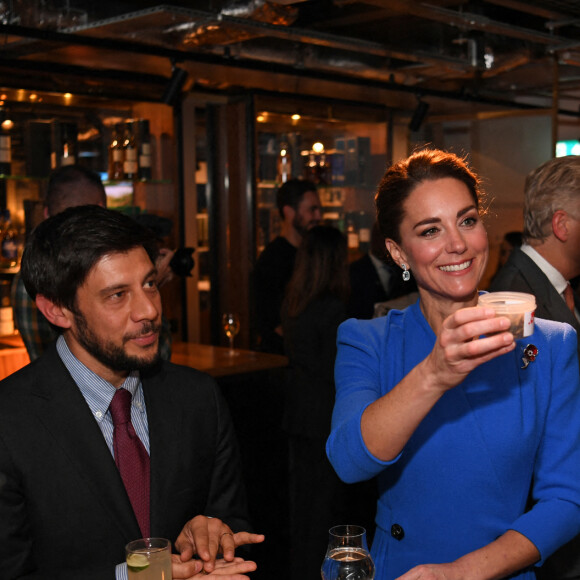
[231, 216]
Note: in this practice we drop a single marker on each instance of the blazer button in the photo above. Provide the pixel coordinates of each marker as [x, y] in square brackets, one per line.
[397, 532]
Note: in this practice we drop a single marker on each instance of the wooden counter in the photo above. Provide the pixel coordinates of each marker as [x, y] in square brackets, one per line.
[13, 355]
[218, 362]
[214, 360]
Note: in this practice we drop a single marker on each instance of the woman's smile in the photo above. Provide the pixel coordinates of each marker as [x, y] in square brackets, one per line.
[443, 241]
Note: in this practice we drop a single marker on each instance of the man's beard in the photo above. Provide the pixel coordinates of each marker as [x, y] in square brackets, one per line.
[111, 355]
[302, 227]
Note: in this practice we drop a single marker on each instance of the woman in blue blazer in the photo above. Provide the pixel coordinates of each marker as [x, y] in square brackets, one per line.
[474, 436]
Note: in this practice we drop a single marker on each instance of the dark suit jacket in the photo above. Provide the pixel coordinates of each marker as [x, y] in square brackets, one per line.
[64, 512]
[366, 288]
[521, 274]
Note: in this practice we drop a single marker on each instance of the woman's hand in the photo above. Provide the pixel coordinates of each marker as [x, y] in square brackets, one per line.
[459, 348]
[389, 422]
[431, 572]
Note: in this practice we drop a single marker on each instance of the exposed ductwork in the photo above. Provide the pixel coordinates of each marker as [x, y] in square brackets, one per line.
[439, 47]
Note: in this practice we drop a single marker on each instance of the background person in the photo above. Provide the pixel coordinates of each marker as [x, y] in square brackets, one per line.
[71, 186]
[314, 306]
[69, 502]
[457, 430]
[373, 279]
[550, 254]
[299, 207]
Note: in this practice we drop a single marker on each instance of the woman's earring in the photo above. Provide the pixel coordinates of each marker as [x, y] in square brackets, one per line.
[406, 273]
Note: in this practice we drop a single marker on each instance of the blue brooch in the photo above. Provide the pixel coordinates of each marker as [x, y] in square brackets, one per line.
[530, 354]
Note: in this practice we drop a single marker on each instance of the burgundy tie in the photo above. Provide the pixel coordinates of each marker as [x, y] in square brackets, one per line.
[131, 458]
[569, 297]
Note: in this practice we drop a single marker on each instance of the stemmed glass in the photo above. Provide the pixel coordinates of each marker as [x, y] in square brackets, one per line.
[231, 326]
[347, 555]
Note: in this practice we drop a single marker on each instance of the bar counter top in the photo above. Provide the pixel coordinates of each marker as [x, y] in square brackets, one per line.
[13, 355]
[214, 360]
[219, 362]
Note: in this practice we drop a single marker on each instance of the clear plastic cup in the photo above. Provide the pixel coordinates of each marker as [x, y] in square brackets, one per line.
[519, 307]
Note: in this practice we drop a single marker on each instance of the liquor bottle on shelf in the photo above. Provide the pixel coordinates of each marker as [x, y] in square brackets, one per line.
[116, 154]
[68, 146]
[9, 245]
[352, 238]
[144, 145]
[284, 162]
[5, 152]
[364, 232]
[63, 138]
[130, 163]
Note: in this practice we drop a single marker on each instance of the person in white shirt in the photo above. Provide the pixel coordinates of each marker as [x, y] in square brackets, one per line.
[543, 266]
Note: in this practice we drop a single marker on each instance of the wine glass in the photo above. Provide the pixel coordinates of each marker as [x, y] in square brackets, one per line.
[231, 326]
[347, 556]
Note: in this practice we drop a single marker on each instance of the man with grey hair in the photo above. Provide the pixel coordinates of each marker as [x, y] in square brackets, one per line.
[543, 266]
[550, 254]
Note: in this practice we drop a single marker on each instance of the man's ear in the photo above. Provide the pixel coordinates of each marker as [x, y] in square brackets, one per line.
[395, 251]
[288, 212]
[560, 224]
[57, 315]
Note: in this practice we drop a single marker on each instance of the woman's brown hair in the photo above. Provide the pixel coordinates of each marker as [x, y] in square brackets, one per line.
[403, 177]
[321, 269]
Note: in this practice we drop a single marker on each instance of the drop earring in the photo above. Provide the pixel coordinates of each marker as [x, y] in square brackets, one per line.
[406, 273]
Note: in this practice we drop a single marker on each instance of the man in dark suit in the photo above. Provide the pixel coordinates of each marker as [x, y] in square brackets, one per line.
[67, 508]
[543, 266]
[374, 280]
[550, 254]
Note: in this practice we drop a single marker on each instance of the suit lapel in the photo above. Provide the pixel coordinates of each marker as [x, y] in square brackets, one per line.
[63, 410]
[546, 295]
[164, 418]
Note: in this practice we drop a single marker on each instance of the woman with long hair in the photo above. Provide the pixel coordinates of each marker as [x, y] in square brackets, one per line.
[314, 306]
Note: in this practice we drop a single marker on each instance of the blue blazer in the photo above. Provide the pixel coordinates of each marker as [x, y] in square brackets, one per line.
[465, 475]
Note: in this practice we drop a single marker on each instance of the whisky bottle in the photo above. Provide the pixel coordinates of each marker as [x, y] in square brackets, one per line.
[130, 163]
[116, 154]
[144, 145]
[5, 152]
[68, 151]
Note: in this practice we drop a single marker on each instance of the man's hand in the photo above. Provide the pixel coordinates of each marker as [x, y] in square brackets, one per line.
[193, 569]
[208, 537]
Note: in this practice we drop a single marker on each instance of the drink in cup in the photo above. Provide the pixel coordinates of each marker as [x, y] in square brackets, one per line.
[519, 307]
[149, 559]
[347, 555]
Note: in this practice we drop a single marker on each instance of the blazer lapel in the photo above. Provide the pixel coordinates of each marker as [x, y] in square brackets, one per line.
[164, 418]
[546, 295]
[63, 410]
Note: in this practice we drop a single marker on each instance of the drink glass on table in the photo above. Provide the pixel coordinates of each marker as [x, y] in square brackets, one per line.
[149, 559]
[347, 555]
[231, 326]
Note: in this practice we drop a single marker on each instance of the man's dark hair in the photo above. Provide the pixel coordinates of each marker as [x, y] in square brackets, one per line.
[292, 192]
[73, 185]
[62, 250]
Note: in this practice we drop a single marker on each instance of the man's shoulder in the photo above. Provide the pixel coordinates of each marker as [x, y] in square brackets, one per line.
[181, 379]
[361, 264]
[519, 273]
[279, 246]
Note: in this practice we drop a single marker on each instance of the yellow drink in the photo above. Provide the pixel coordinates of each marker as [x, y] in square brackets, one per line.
[149, 559]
